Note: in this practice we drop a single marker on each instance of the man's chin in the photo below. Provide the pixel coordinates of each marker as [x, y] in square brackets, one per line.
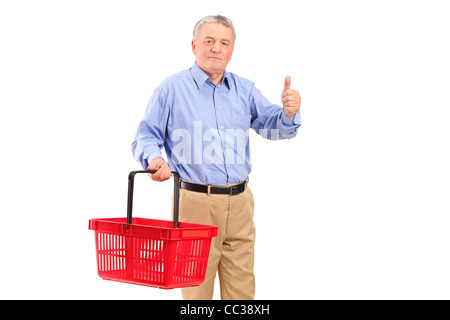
[213, 67]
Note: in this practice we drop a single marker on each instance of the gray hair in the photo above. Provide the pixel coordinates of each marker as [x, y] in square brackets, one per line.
[213, 19]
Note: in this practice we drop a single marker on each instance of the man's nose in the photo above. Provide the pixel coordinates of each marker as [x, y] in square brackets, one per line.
[216, 47]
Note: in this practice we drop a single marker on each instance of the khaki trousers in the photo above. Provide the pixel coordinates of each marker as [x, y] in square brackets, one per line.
[232, 251]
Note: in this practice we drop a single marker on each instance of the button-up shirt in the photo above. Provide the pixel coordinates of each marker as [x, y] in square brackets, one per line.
[204, 128]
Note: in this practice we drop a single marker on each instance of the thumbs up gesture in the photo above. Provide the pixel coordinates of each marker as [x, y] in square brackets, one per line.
[291, 98]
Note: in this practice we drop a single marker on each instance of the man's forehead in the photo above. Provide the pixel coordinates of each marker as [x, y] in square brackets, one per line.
[216, 30]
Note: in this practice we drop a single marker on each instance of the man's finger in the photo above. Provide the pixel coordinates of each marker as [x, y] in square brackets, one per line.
[290, 98]
[156, 176]
[168, 174]
[287, 83]
[162, 174]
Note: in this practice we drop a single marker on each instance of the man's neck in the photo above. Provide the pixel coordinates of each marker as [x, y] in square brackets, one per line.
[215, 77]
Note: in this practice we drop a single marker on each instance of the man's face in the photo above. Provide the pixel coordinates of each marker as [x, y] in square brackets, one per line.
[213, 48]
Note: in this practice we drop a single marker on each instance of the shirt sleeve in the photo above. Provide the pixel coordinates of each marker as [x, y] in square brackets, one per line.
[269, 120]
[151, 132]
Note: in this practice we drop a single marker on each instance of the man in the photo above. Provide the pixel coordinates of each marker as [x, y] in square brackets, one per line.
[202, 117]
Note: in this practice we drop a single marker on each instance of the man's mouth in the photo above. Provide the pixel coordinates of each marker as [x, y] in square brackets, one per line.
[216, 58]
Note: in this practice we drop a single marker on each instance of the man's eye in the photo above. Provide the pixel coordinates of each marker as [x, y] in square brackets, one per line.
[225, 43]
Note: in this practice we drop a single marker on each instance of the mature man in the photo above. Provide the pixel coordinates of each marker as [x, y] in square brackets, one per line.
[202, 118]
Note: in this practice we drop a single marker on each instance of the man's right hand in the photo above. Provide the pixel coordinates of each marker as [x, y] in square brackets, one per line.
[163, 172]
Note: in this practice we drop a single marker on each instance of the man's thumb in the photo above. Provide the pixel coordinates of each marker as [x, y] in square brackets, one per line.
[287, 83]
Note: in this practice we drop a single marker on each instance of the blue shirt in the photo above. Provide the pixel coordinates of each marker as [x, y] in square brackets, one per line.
[204, 128]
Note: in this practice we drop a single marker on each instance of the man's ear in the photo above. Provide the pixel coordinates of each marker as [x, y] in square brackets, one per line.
[193, 46]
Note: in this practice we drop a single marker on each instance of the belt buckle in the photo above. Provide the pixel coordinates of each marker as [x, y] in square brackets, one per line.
[231, 191]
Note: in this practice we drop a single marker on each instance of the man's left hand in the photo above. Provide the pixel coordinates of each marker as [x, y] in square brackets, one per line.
[291, 99]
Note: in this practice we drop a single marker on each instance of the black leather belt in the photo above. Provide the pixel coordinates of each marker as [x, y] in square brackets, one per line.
[232, 190]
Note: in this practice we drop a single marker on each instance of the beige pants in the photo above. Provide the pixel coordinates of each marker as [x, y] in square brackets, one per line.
[232, 251]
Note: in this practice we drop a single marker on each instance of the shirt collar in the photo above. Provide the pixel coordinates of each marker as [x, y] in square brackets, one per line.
[200, 77]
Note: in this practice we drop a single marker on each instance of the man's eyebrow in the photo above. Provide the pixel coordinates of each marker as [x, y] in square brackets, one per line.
[210, 37]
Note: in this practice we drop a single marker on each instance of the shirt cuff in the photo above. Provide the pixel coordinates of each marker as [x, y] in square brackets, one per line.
[295, 120]
[151, 156]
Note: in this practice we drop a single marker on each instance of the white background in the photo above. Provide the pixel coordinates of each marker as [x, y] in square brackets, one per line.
[355, 207]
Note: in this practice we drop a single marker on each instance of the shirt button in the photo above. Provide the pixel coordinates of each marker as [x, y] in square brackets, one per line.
[229, 166]
[219, 108]
[221, 127]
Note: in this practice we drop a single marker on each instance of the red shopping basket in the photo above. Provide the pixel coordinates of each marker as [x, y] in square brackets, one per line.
[150, 252]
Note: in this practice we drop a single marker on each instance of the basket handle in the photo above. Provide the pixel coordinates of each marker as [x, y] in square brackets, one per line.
[176, 195]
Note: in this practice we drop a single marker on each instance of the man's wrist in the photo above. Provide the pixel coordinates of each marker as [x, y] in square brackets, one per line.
[294, 120]
[289, 120]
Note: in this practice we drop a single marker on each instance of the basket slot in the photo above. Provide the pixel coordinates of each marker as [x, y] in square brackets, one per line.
[111, 254]
[148, 260]
[191, 260]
